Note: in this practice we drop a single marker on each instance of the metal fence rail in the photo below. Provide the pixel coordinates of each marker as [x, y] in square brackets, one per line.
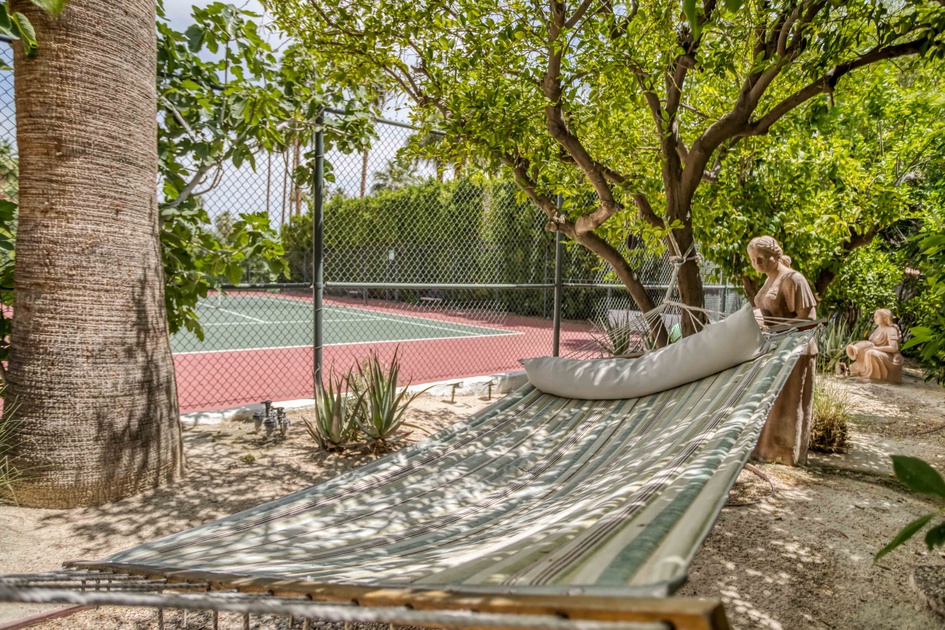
[453, 273]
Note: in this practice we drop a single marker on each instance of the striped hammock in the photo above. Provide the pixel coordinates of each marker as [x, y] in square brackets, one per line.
[537, 512]
[535, 494]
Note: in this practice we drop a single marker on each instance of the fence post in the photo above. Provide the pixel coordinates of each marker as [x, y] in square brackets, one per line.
[318, 258]
[556, 308]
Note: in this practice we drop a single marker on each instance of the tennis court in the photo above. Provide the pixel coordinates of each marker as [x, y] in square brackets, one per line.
[270, 321]
[258, 343]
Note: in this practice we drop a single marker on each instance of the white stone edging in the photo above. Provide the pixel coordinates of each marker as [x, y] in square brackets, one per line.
[502, 384]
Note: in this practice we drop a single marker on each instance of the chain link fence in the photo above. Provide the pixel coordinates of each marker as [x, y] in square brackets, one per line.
[451, 271]
[9, 168]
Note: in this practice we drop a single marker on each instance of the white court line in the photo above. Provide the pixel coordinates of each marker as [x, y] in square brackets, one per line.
[298, 321]
[372, 316]
[408, 322]
[264, 321]
[353, 343]
[446, 328]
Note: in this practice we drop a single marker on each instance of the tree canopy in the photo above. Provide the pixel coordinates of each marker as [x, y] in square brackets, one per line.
[636, 103]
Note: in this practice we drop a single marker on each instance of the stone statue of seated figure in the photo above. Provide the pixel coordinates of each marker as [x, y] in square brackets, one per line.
[878, 359]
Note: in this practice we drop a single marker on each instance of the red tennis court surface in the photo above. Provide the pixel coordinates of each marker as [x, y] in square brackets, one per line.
[222, 379]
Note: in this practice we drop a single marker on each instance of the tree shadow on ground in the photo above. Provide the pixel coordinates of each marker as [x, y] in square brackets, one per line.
[230, 468]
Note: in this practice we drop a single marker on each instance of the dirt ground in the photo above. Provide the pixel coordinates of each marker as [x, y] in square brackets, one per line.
[798, 558]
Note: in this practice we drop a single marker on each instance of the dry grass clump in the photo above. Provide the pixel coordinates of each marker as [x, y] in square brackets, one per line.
[831, 414]
[8, 474]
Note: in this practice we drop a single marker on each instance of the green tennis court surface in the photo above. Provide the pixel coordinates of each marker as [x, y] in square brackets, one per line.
[260, 322]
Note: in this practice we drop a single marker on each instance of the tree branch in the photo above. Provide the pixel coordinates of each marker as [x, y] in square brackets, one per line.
[826, 83]
[641, 201]
[625, 273]
[559, 131]
[578, 13]
[524, 181]
[826, 276]
[787, 53]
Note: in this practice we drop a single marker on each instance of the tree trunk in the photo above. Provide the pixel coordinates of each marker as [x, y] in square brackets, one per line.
[751, 288]
[627, 276]
[91, 378]
[689, 280]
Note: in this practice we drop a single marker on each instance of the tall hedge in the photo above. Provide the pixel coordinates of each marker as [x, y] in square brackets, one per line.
[439, 232]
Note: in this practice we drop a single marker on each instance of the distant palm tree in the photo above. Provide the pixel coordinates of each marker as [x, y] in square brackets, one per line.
[398, 174]
[382, 94]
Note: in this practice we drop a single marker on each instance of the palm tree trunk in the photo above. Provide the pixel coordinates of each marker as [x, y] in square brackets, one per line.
[90, 373]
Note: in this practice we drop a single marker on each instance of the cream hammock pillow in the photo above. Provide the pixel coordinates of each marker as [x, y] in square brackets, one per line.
[717, 347]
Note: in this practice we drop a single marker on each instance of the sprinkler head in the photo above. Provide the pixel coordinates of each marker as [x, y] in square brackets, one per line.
[282, 420]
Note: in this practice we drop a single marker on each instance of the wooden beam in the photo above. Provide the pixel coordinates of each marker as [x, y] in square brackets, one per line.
[680, 612]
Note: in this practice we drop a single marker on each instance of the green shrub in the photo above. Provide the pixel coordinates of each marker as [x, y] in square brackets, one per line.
[927, 310]
[335, 414]
[483, 233]
[627, 334]
[382, 407]
[831, 412]
[618, 336]
[866, 281]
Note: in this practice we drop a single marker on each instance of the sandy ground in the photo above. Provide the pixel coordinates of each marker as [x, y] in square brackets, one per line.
[798, 558]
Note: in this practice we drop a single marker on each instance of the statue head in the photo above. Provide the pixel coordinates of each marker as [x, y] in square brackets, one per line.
[765, 254]
[883, 317]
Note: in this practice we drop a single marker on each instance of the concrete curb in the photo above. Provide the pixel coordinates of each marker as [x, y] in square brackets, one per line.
[501, 384]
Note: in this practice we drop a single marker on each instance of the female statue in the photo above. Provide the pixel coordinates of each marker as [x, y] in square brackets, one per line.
[786, 297]
[786, 294]
[879, 358]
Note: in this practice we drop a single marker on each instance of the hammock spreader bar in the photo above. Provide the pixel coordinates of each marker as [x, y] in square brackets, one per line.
[428, 608]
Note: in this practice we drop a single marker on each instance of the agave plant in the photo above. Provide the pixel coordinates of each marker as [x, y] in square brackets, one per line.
[833, 340]
[335, 414]
[382, 404]
[622, 335]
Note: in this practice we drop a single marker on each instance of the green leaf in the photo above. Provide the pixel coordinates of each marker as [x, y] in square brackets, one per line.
[25, 31]
[52, 7]
[7, 210]
[935, 537]
[733, 5]
[907, 532]
[918, 476]
[234, 273]
[195, 36]
[689, 8]
[4, 18]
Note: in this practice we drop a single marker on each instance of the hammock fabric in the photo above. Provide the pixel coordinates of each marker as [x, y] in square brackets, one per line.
[533, 496]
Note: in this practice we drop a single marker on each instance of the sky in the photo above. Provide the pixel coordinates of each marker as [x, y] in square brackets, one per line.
[178, 11]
